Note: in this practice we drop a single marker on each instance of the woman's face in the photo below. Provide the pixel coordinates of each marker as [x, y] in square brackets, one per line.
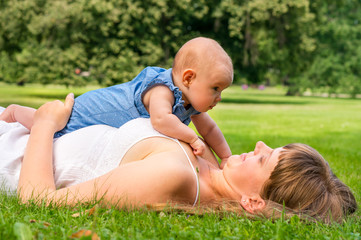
[246, 173]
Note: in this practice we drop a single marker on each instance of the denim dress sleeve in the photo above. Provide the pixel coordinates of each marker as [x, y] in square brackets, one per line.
[165, 78]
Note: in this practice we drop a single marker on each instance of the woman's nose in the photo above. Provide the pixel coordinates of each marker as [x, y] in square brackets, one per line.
[261, 147]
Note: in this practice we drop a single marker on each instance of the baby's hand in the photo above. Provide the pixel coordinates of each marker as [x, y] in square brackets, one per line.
[223, 162]
[198, 147]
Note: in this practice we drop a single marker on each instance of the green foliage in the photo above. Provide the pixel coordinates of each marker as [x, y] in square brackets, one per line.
[337, 63]
[303, 44]
[111, 39]
[272, 36]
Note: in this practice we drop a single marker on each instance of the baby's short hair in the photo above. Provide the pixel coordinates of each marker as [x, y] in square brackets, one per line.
[200, 51]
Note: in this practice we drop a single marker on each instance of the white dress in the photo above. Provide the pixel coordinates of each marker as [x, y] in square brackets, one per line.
[78, 156]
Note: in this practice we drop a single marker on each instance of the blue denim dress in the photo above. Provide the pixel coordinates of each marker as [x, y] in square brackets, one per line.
[118, 104]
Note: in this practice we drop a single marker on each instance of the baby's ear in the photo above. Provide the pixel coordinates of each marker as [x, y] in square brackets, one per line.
[188, 77]
[253, 204]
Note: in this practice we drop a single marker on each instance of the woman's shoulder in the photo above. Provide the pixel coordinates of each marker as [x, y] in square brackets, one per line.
[180, 181]
[166, 173]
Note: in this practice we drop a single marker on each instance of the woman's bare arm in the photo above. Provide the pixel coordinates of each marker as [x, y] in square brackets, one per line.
[36, 175]
[158, 179]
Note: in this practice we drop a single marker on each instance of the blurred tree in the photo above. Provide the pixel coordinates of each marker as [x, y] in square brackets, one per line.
[337, 64]
[113, 39]
[303, 44]
[273, 39]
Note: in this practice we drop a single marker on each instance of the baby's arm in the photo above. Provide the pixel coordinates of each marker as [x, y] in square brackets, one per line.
[159, 102]
[17, 113]
[213, 136]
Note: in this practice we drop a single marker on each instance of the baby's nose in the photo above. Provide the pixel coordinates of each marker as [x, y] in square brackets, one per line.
[218, 98]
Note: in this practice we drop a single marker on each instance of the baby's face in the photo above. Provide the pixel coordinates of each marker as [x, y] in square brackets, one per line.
[205, 91]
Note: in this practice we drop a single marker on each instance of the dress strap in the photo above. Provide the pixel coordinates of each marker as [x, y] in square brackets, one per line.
[194, 170]
[146, 130]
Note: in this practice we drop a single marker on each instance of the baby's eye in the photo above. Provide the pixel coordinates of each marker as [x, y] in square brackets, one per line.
[216, 88]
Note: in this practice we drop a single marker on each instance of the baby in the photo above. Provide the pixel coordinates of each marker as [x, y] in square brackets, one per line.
[171, 98]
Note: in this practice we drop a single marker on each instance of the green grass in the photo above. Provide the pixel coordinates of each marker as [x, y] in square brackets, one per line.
[36, 95]
[332, 126]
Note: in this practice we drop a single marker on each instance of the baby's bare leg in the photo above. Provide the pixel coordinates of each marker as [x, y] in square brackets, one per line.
[17, 113]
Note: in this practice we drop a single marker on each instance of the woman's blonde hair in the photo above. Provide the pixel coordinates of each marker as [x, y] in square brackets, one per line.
[303, 183]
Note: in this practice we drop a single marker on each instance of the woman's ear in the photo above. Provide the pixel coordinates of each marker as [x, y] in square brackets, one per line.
[253, 204]
[188, 77]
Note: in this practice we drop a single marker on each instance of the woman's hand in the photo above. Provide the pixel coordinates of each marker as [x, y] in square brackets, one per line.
[55, 114]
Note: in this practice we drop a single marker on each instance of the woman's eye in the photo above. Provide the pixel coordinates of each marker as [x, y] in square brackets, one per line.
[215, 88]
[261, 159]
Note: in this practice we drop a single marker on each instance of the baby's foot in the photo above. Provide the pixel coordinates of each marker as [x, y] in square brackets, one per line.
[7, 115]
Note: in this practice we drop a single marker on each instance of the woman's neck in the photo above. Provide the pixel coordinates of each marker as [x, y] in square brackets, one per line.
[213, 185]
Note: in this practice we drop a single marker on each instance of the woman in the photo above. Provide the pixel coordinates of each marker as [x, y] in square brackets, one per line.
[154, 170]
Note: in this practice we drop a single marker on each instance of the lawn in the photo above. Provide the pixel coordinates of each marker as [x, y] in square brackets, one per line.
[332, 126]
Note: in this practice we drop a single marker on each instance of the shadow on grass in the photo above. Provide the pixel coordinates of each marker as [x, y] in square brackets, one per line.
[263, 101]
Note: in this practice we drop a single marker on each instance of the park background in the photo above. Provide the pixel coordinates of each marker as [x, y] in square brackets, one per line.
[290, 54]
[306, 45]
